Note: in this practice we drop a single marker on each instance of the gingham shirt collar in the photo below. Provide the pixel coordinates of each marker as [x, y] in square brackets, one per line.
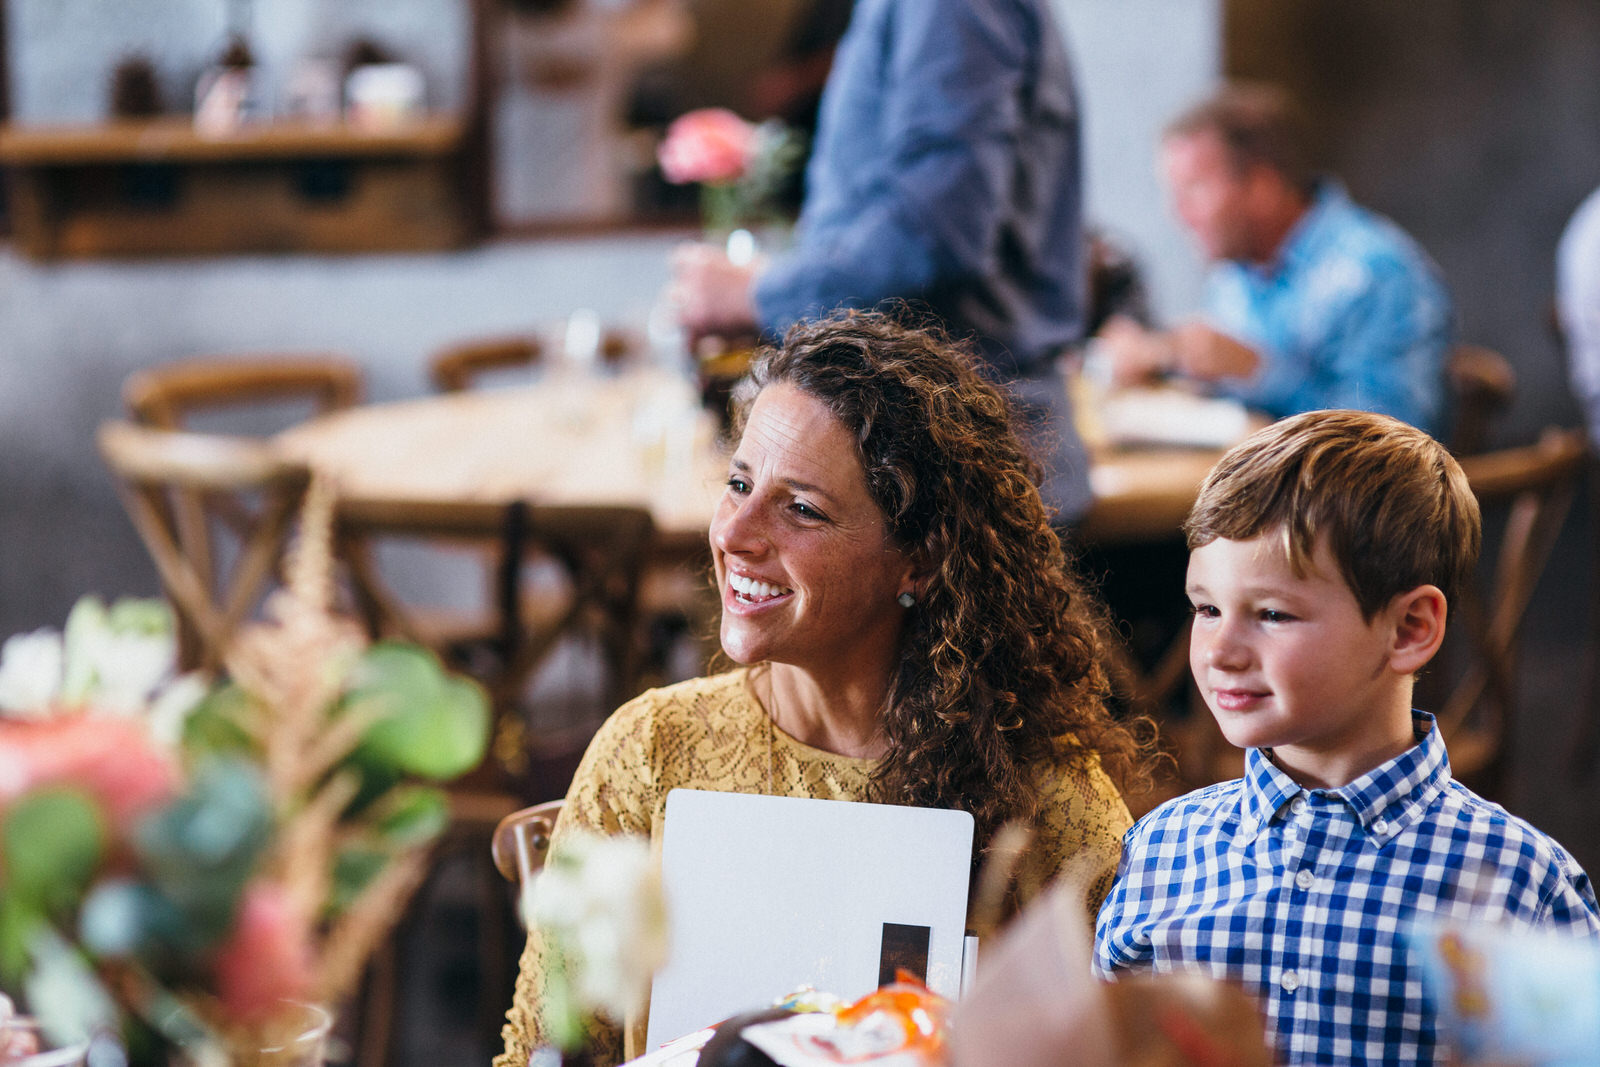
[1384, 801]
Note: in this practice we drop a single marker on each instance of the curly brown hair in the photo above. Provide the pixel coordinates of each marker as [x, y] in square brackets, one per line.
[1000, 664]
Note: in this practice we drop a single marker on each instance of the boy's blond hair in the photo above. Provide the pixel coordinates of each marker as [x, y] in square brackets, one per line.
[1394, 506]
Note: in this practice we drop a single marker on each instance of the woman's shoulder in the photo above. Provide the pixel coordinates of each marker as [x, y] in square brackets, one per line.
[712, 704]
[712, 695]
[1077, 792]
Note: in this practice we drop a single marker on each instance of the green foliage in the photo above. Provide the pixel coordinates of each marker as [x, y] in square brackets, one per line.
[432, 724]
[412, 816]
[214, 724]
[51, 842]
[199, 851]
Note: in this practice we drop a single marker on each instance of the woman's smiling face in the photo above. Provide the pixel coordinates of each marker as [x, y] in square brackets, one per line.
[805, 566]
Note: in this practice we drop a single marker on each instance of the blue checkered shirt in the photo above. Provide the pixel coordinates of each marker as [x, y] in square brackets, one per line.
[1305, 897]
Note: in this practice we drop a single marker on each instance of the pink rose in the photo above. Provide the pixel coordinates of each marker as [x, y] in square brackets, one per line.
[113, 760]
[707, 145]
[266, 959]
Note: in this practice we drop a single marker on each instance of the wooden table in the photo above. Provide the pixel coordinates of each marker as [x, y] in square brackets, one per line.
[638, 438]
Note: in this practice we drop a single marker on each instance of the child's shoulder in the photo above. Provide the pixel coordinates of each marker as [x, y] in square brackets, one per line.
[1486, 830]
[1209, 806]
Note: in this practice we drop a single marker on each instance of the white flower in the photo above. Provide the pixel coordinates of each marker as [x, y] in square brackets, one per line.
[599, 900]
[172, 704]
[128, 668]
[30, 673]
[118, 657]
[68, 998]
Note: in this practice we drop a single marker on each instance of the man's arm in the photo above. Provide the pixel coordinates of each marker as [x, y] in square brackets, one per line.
[1193, 350]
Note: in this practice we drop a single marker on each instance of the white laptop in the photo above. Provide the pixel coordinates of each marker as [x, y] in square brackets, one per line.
[766, 894]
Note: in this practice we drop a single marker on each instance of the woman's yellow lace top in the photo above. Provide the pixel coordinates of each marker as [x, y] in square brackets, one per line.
[713, 733]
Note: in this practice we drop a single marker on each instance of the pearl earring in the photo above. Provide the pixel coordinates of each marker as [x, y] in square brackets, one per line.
[906, 600]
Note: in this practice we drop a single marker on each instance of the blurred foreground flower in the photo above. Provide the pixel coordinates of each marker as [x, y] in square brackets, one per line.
[180, 858]
[598, 904]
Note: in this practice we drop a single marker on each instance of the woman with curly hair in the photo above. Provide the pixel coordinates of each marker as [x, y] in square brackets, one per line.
[908, 630]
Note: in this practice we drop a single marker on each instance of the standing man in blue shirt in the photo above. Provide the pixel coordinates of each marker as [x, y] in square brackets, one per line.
[1312, 302]
[945, 175]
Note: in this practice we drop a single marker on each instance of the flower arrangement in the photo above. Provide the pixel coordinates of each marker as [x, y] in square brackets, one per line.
[186, 861]
[741, 166]
[599, 905]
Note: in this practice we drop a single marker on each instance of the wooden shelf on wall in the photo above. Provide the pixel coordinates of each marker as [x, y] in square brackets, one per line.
[141, 188]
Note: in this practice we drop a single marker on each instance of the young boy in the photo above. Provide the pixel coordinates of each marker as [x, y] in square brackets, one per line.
[1324, 550]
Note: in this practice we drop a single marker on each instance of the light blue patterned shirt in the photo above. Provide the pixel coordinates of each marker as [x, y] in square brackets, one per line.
[1306, 897]
[1351, 314]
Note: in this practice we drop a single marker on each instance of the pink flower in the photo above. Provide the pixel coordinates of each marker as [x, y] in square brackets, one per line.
[267, 958]
[113, 760]
[711, 144]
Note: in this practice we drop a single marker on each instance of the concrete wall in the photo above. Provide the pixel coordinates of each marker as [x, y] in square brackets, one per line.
[1140, 62]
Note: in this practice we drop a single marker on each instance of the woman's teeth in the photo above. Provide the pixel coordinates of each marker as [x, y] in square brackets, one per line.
[752, 589]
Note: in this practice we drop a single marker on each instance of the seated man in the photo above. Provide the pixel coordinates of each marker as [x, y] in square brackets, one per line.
[1324, 550]
[1312, 302]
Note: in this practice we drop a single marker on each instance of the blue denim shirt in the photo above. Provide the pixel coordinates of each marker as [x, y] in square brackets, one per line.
[945, 171]
[1352, 314]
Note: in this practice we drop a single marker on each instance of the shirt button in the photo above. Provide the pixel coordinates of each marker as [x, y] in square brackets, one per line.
[1380, 826]
[1289, 980]
[1297, 805]
[1304, 878]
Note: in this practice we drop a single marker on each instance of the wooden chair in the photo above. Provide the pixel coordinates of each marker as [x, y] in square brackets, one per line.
[169, 395]
[600, 550]
[162, 474]
[178, 395]
[458, 367]
[463, 365]
[1525, 494]
[522, 840]
[1481, 385]
[670, 587]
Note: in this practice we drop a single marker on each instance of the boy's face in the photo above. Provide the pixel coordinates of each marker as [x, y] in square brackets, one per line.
[1286, 661]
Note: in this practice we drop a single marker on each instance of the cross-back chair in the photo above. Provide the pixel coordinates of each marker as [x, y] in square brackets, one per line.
[171, 394]
[1525, 494]
[600, 550]
[465, 364]
[1481, 384]
[159, 473]
[670, 593]
[457, 367]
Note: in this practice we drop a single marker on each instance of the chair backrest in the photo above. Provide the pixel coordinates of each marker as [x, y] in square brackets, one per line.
[601, 549]
[157, 471]
[522, 840]
[1482, 385]
[457, 367]
[1525, 494]
[168, 395]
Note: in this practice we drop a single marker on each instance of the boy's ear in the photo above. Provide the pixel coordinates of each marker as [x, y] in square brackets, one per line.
[1418, 617]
